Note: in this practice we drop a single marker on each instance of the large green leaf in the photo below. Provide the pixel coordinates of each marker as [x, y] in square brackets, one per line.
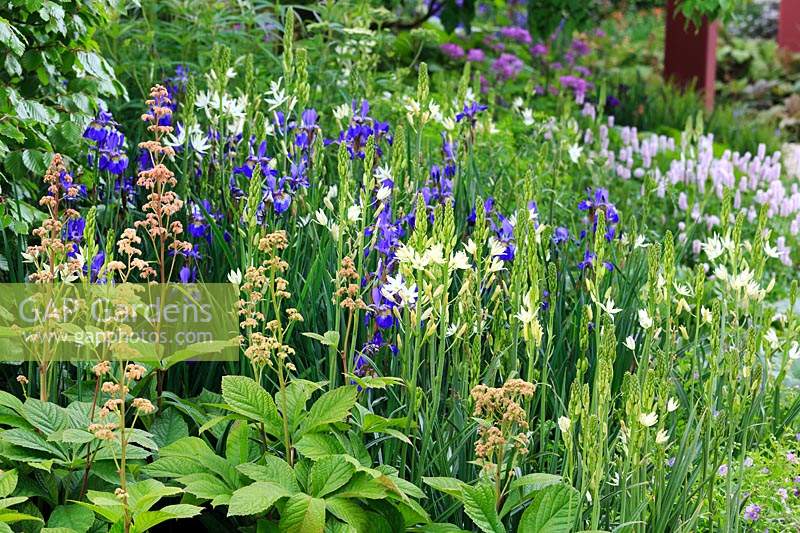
[26, 438]
[274, 469]
[255, 498]
[479, 504]
[204, 485]
[191, 455]
[8, 482]
[73, 516]
[169, 427]
[9, 400]
[536, 481]
[47, 417]
[348, 511]
[148, 519]
[237, 445]
[449, 485]
[246, 397]
[303, 514]
[142, 495]
[328, 474]
[318, 445]
[333, 406]
[363, 486]
[552, 510]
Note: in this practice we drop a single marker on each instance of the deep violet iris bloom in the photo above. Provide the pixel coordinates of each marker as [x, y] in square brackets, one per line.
[470, 112]
[360, 128]
[108, 144]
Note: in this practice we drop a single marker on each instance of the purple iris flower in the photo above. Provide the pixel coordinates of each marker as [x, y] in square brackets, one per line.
[256, 158]
[598, 201]
[188, 275]
[308, 129]
[73, 231]
[360, 128]
[381, 308]
[560, 235]
[470, 111]
[277, 195]
[97, 263]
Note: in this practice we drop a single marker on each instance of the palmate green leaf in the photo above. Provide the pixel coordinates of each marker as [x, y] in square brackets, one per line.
[143, 439]
[34, 161]
[256, 498]
[237, 445]
[348, 511]
[8, 482]
[149, 519]
[246, 397]
[169, 427]
[45, 416]
[204, 485]
[298, 392]
[9, 517]
[303, 514]
[331, 338]
[449, 485]
[479, 504]
[317, 445]
[12, 402]
[104, 504]
[26, 438]
[524, 488]
[274, 469]
[363, 486]
[333, 406]
[72, 516]
[328, 474]
[142, 495]
[191, 455]
[8, 502]
[552, 510]
[536, 481]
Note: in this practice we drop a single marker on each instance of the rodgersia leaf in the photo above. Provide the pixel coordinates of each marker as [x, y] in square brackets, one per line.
[246, 397]
[333, 406]
[303, 514]
[479, 504]
[553, 510]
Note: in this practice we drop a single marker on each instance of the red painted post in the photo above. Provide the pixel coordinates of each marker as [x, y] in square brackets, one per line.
[789, 25]
[690, 54]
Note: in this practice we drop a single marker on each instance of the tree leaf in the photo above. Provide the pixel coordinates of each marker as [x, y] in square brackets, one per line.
[552, 510]
[9, 37]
